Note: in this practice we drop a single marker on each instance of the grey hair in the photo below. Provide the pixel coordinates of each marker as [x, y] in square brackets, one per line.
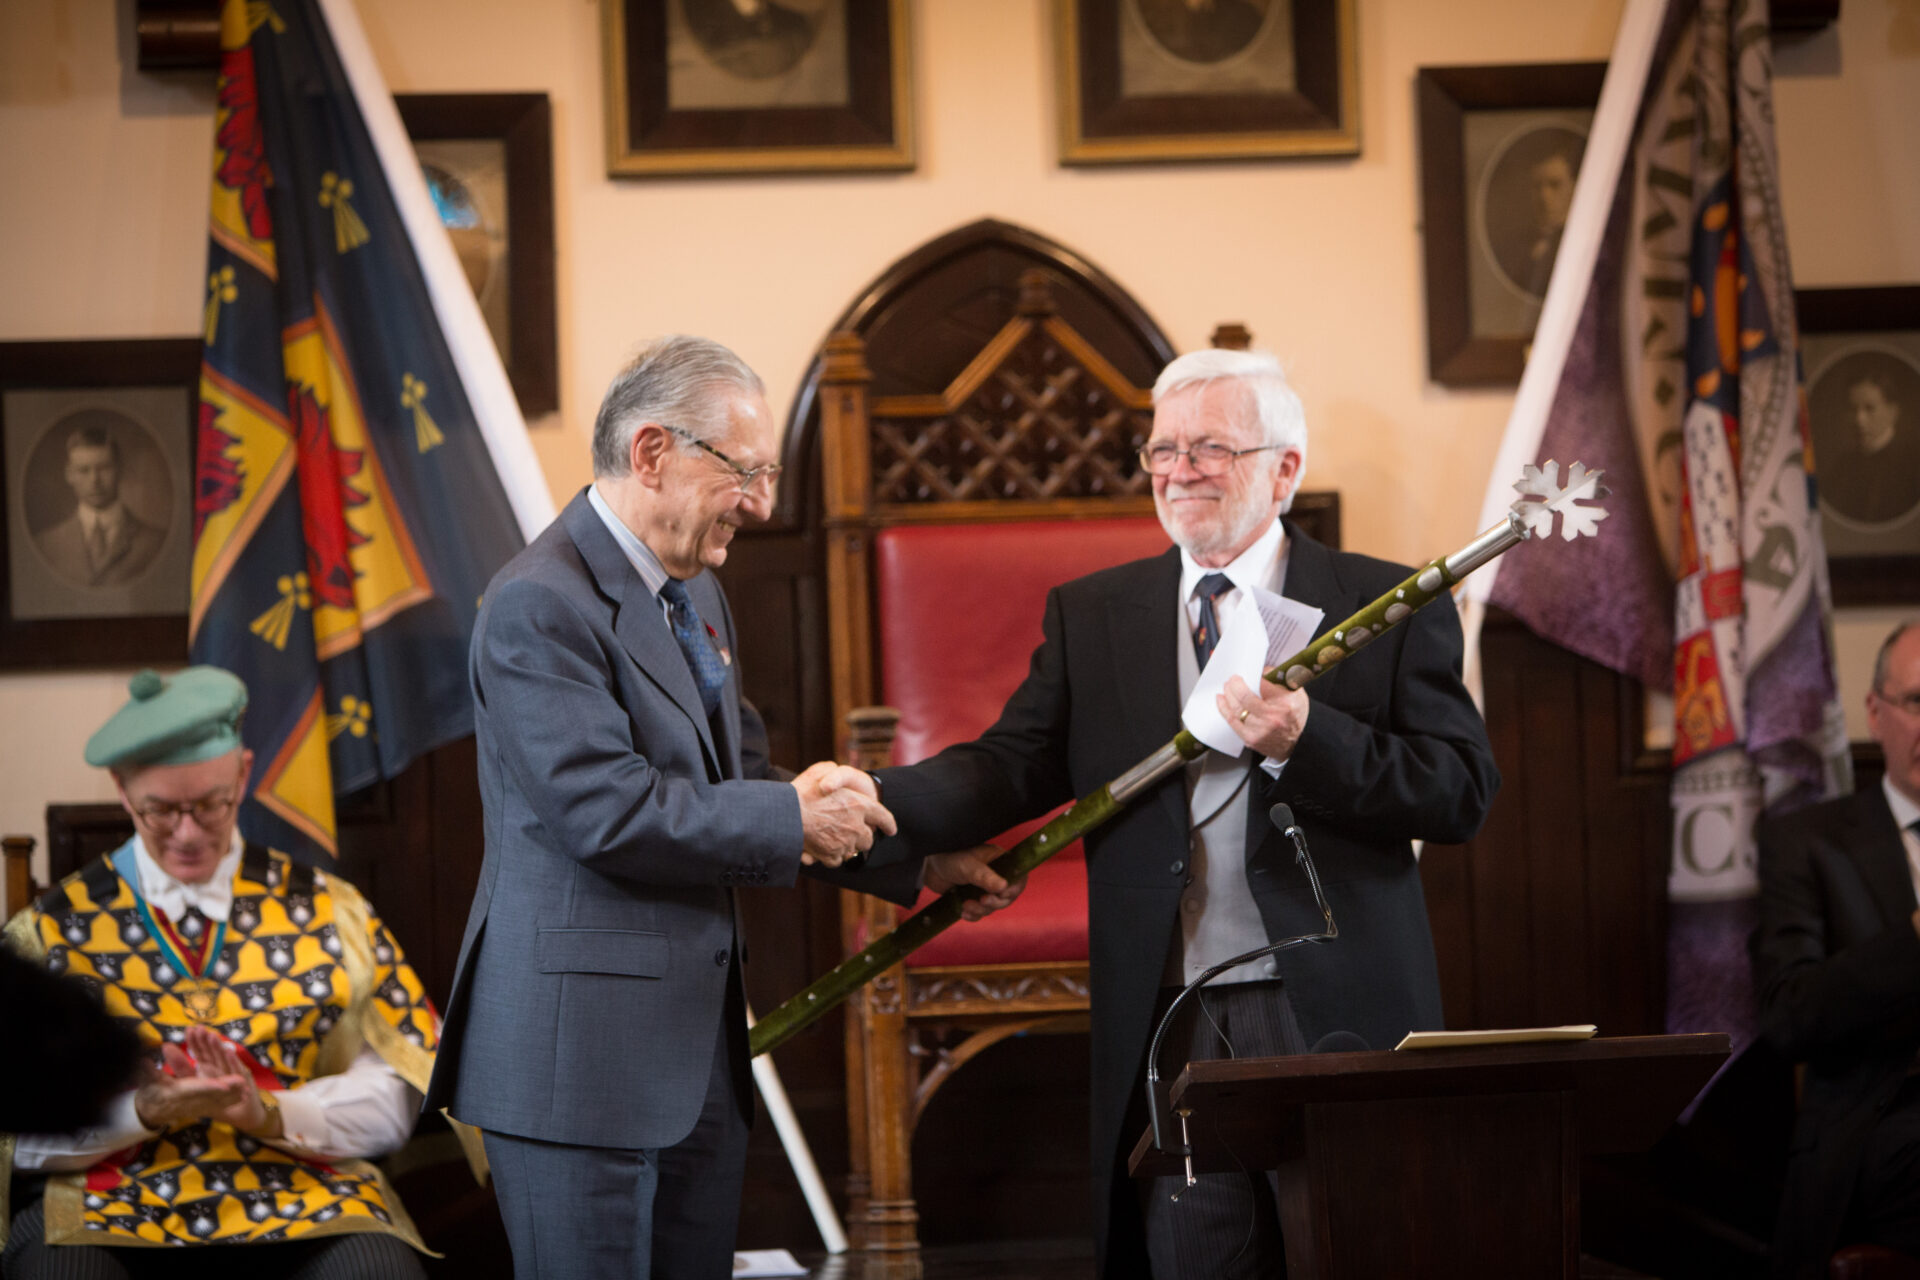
[676, 381]
[1277, 409]
[1885, 657]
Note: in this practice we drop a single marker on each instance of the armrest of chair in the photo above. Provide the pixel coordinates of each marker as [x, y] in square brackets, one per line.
[20, 889]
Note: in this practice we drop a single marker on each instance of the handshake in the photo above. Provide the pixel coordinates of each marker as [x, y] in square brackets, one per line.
[840, 811]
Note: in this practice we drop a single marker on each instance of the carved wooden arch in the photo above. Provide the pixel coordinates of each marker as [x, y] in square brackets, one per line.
[928, 315]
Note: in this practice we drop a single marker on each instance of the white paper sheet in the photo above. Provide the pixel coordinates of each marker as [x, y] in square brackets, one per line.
[766, 1262]
[1254, 639]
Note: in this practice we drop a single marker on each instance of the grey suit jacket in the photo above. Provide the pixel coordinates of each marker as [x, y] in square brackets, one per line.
[1837, 973]
[591, 981]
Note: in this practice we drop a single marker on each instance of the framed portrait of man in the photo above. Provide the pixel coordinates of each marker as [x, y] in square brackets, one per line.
[1860, 349]
[96, 464]
[1500, 150]
[1206, 79]
[744, 86]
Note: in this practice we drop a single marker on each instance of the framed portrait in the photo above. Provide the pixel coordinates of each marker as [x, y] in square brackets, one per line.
[488, 158]
[1860, 349]
[96, 464]
[1500, 148]
[756, 86]
[1233, 79]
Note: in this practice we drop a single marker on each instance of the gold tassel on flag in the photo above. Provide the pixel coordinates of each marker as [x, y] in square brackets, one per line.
[413, 395]
[220, 288]
[276, 623]
[348, 231]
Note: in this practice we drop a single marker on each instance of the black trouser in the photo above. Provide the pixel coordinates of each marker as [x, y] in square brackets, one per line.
[363, 1255]
[1886, 1199]
[1227, 1225]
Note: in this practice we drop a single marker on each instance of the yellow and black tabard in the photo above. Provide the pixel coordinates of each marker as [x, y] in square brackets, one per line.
[303, 975]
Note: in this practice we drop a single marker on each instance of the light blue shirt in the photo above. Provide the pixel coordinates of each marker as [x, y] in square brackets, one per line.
[638, 554]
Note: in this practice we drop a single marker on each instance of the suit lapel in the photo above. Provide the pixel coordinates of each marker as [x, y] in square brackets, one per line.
[638, 621]
[1144, 623]
[1882, 855]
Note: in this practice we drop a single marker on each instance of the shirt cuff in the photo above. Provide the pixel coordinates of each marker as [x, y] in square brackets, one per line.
[1272, 767]
[303, 1123]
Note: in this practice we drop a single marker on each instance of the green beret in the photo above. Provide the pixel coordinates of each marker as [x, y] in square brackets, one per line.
[178, 719]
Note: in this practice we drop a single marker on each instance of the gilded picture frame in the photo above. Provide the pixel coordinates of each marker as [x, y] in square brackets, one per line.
[704, 87]
[1155, 80]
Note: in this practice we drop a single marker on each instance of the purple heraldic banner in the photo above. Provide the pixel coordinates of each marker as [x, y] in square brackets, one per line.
[1670, 358]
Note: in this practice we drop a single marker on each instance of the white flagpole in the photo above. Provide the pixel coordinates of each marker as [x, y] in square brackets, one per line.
[1600, 167]
[799, 1155]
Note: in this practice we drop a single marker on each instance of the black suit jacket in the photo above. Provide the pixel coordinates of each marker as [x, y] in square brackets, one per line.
[1837, 972]
[1393, 751]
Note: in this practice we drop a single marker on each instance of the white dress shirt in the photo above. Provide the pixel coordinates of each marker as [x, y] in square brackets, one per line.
[1905, 814]
[364, 1112]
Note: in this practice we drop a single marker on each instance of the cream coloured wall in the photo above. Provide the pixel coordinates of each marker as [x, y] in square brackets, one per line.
[103, 202]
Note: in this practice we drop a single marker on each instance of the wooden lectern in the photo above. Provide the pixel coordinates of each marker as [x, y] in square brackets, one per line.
[1434, 1162]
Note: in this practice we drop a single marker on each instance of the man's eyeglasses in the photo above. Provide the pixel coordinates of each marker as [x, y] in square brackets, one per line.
[206, 811]
[1209, 457]
[1907, 702]
[748, 477]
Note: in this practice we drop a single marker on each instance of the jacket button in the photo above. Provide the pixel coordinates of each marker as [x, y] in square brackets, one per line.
[1177, 867]
[720, 957]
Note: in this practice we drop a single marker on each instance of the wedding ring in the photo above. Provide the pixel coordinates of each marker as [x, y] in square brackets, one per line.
[1243, 715]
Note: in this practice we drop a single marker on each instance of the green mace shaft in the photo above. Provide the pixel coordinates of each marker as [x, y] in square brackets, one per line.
[1390, 610]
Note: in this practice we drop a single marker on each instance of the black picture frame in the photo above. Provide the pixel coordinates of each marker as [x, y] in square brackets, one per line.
[811, 86]
[1483, 130]
[1854, 343]
[139, 394]
[482, 150]
[1142, 80]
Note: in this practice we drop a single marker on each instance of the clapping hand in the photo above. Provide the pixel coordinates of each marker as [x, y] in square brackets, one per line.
[840, 810]
[206, 1080]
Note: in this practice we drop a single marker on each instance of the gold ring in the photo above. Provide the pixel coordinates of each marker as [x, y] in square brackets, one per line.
[1243, 715]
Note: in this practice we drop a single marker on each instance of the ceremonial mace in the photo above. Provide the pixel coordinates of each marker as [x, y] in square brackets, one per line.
[1541, 496]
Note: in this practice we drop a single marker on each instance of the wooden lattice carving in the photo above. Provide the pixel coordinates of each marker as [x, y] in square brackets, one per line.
[1040, 426]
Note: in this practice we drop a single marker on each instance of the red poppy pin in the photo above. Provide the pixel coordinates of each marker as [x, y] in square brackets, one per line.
[726, 658]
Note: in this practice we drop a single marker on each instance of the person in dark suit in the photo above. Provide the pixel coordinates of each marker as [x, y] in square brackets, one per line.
[597, 1031]
[1836, 960]
[1384, 750]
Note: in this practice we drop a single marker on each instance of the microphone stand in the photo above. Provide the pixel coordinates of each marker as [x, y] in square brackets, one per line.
[1282, 817]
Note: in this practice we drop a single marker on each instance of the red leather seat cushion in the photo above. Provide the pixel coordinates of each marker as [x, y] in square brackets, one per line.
[960, 609]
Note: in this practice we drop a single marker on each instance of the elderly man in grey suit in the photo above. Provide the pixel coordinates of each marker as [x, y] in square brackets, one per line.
[597, 1030]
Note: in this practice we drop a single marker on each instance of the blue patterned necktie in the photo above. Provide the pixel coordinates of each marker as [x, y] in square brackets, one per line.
[1207, 635]
[709, 673]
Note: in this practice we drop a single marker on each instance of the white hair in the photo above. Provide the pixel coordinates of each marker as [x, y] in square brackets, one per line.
[676, 381]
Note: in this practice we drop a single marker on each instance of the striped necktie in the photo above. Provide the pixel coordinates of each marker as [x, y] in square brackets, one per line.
[1206, 636]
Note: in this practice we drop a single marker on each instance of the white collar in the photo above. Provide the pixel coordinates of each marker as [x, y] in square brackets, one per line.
[91, 519]
[638, 553]
[214, 897]
[1258, 566]
[1905, 811]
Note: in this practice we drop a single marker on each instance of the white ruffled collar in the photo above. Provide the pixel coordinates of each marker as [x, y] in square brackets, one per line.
[214, 897]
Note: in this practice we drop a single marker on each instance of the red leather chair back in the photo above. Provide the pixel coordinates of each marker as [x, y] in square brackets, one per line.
[959, 610]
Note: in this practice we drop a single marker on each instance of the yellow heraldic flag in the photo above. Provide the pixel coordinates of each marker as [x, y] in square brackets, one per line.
[385, 570]
[340, 546]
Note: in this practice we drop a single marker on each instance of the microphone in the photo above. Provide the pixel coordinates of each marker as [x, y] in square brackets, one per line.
[1341, 1042]
[1282, 817]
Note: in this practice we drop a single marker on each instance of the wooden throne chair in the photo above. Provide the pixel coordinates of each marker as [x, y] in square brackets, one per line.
[948, 516]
